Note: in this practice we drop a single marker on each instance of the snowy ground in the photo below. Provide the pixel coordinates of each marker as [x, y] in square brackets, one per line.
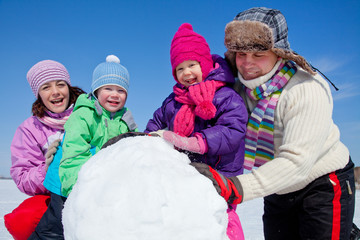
[249, 212]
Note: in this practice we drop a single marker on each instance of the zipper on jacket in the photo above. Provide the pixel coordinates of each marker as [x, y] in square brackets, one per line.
[219, 158]
[112, 115]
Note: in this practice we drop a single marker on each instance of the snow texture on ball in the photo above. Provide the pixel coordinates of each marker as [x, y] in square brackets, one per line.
[141, 188]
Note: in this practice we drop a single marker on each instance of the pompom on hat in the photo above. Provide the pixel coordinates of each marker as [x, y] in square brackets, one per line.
[110, 72]
[189, 45]
[260, 29]
[46, 71]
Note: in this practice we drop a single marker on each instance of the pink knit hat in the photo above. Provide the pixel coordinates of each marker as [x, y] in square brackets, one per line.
[189, 45]
[46, 71]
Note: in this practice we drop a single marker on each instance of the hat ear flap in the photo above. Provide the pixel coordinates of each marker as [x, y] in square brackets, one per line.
[299, 60]
[230, 58]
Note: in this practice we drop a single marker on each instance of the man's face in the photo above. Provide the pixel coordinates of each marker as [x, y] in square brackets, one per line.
[252, 65]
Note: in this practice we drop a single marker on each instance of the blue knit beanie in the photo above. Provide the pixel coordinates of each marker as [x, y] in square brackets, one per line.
[110, 72]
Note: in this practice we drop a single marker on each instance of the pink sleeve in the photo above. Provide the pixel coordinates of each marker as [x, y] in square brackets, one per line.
[28, 161]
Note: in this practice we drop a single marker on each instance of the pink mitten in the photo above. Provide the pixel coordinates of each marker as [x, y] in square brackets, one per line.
[194, 144]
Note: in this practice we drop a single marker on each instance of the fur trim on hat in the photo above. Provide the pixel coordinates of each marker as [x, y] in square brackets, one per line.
[254, 36]
[248, 36]
[293, 56]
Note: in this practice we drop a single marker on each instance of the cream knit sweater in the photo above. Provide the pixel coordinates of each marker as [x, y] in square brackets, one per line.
[306, 140]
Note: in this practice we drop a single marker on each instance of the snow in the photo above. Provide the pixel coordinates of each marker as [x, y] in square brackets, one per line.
[149, 189]
[170, 200]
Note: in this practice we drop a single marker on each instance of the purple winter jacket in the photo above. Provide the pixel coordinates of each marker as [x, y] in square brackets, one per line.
[224, 134]
[30, 143]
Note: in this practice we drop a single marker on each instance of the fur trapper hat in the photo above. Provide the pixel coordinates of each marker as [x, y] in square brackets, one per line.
[260, 29]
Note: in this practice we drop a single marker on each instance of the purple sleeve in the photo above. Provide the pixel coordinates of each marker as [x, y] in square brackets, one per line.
[228, 131]
[155, 123]
[28, 161]
[163, 116]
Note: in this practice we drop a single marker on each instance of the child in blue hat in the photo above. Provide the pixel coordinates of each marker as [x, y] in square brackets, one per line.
[97, 117]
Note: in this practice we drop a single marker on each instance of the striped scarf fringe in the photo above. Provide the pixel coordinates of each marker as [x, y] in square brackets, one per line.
[259, 140]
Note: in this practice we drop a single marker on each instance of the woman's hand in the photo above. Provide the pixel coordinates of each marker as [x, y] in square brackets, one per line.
[49, 156]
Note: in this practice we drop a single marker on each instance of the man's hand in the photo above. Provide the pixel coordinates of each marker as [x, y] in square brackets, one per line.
[229, 188]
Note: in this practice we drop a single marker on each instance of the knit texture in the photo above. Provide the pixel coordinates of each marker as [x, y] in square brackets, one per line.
[194, 144]
[56, 123]
[110, 72]
[259, 141]
[189, 45]
[46, 71]
[306, 140]
[197, 101]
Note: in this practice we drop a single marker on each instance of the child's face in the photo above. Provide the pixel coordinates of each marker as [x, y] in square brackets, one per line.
[188, 73]
[55, 95]
[112, 97]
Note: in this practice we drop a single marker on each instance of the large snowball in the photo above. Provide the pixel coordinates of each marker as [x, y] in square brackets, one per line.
[141, 188]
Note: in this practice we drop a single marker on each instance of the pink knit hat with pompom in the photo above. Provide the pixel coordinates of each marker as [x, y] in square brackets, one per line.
[189, 45]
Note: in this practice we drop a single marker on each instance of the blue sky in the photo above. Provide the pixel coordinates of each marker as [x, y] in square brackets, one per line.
[80, 34]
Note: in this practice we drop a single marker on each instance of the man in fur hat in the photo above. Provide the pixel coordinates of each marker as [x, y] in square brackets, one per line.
[303, 170]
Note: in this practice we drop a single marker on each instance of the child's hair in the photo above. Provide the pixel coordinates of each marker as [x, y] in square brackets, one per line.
[189, 45]
[38, 108]
[110, 72]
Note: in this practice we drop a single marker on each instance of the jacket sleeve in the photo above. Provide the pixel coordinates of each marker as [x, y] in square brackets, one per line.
[227, 132]
[76, 147]
[159, 120]
[28, 162]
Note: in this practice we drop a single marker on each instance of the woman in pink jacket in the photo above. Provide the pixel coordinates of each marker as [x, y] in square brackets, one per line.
[50, 82]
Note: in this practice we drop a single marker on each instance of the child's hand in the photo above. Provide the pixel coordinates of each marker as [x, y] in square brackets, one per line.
[191, 144]
[229, 188]
[49, 155]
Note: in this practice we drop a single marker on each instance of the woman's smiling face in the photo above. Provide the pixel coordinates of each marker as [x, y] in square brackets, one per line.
[55, 95]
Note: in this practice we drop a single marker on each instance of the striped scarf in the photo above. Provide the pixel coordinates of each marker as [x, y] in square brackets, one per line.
[56, 121]
[259, 140]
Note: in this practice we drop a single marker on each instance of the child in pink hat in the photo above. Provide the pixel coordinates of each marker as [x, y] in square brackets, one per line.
[203, 116]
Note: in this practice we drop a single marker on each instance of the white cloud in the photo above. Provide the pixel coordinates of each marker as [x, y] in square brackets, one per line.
[345, 79]
[346, 90]
[329, 64]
